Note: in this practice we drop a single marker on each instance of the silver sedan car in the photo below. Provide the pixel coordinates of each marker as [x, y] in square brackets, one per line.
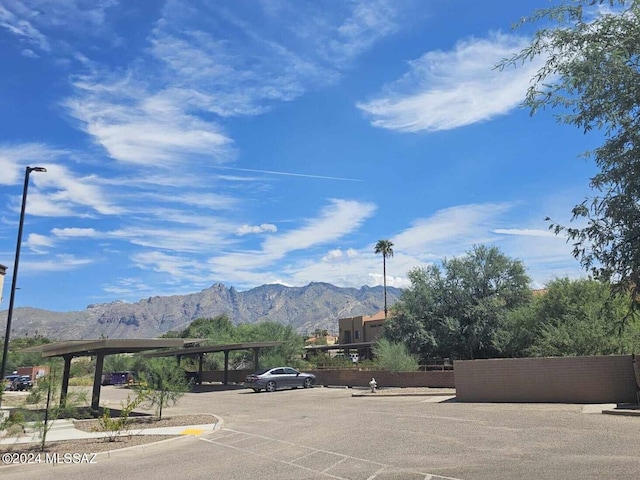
[271, 379]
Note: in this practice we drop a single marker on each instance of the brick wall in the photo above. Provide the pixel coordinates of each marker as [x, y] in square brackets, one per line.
[356, 378]
[597, 379]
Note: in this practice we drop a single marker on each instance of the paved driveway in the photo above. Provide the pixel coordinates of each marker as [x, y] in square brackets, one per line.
[325, 433]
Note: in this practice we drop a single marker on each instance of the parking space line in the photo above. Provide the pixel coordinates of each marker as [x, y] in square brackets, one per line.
[274, 459]
[324, 472]
[335, 464]
[377, 473]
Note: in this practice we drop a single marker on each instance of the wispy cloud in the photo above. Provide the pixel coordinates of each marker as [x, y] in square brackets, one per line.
[444, 90]
[55, 263]
[147, 128]
[335, 221]
[250, 71]
[43, 24]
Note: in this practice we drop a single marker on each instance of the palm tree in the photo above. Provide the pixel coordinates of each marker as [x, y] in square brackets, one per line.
[385, 247]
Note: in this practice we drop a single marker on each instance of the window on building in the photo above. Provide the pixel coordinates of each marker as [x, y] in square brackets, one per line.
[357, 334]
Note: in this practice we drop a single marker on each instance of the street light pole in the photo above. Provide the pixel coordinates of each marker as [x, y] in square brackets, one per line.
[5, 349]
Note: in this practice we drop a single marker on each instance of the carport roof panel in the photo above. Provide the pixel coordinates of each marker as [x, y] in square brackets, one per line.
[105, 346]
[212, 348]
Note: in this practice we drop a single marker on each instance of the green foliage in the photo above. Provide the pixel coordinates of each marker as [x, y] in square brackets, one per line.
[47, 391]
[454, 311]
[119, 363]
[82, 367]
[591, 74]
[113, 426]
[394, 357]
[17, 359]
[220, 330]
[574, 317]
[163, 383]
[286, 354]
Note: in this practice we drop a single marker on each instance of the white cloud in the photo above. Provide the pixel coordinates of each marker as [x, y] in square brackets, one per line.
[56, 263]
[336, 220]
[15, 158]
[450, 230]
[339, 255]
[74, 232]
[40, 23]
[179, 267]
[265, 227]
[136, 125]
[17, 24]
[447, 90]
[38, 243]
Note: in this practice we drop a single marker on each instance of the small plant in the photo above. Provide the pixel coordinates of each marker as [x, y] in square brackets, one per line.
[163, 384]
[114, 426]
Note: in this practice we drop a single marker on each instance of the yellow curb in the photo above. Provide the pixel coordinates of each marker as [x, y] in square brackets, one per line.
[192, 431]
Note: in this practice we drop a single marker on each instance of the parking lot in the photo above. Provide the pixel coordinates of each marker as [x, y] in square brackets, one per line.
[326, 433]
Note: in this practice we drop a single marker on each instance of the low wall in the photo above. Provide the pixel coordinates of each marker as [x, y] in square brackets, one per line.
[597, 379]
[235, 376]
[356, 378]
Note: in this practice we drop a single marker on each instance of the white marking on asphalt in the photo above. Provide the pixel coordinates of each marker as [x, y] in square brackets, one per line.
[376, 474]
[270, 457]
[335, 464]
[436, 417]
[428, 476]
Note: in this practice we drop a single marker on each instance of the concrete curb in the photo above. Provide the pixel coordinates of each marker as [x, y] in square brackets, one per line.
[624, 413]
[66, 431]
[392, 394]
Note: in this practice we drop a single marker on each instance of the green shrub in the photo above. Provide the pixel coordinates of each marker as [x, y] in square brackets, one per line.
[394, 357]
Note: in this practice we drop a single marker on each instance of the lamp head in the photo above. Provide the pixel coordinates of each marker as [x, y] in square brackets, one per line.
[37, 169]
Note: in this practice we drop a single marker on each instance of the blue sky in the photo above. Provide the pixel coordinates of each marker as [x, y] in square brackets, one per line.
[253, 142]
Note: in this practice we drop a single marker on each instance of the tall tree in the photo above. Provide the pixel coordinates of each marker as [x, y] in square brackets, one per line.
[455, 310]
[571, 317]
[384, 247]
[591, 73]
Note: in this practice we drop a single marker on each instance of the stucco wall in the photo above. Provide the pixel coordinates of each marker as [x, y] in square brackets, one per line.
[356, 378]
[597, 379]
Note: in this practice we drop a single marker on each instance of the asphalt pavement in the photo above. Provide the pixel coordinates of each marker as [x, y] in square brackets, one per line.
[327, 433]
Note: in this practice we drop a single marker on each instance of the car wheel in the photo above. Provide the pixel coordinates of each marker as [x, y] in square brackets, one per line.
[307, 383]
[257, 390]
[271, 386]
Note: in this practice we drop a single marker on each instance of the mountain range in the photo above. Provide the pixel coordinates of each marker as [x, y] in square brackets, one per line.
[317, 305]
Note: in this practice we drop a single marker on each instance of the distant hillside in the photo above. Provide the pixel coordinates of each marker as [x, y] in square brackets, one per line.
[318, 305]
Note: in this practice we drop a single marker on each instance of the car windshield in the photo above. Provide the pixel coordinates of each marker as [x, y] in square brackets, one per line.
[262, 372]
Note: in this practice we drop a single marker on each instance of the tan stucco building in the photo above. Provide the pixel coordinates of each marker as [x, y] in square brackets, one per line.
[363, 328]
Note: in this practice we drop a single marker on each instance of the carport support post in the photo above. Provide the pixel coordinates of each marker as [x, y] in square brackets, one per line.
[97, 382]
[226, 367]
[200, 368]
[65, 381]
[256, 365]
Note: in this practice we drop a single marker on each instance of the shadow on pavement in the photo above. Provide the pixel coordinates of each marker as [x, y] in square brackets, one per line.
[213, 387]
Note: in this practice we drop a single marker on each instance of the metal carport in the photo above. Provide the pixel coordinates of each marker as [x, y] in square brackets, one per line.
[100, 348]
[200, 351]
